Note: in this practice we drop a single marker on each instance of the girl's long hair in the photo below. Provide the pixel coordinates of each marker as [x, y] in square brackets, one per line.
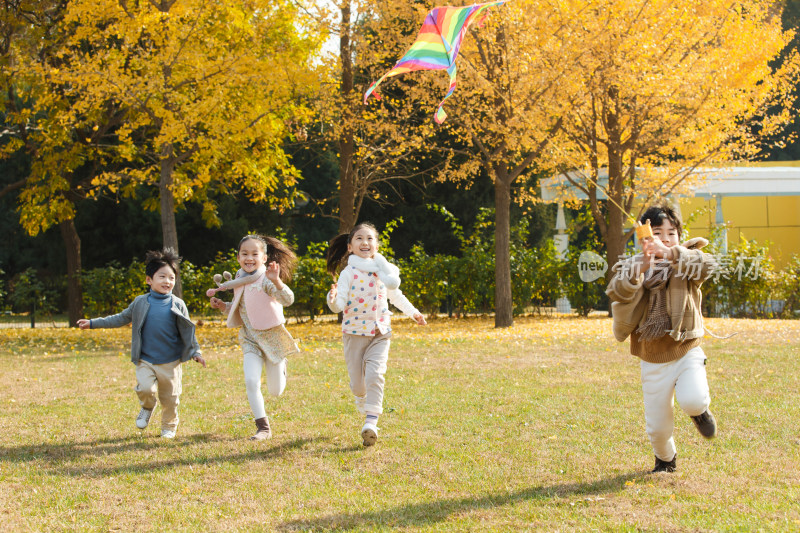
[277, 251]
[337, 248]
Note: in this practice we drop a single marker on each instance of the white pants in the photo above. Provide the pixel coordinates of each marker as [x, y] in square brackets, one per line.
[276, 381]
[366, 359]
[683, 379]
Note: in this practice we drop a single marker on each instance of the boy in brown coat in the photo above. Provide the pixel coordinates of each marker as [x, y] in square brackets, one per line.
[656, 299]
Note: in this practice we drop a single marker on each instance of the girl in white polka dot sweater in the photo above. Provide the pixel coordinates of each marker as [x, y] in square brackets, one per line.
[366, 284]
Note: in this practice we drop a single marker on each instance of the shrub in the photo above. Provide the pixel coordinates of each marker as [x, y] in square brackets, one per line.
[196, 280]
[745, 283]
[311, 283]
[787, 288]
[29, 293]
[428, 280]
[110, 289]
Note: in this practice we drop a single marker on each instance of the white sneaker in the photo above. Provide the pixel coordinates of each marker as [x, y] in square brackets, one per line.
[369, 434]
[168, 433]
[144, 418]
[360, 401]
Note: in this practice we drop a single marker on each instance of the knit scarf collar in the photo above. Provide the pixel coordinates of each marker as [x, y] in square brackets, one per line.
[388, 273]
[244, 278]
[657, 322]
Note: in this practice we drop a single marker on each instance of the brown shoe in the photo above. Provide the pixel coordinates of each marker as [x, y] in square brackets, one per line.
[706, 424]
[665, 466]
[262, 429]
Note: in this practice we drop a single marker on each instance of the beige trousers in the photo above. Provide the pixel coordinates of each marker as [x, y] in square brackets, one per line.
[160, 383]
[366, 359]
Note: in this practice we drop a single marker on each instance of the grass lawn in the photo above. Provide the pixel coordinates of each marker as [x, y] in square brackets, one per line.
[536, 427]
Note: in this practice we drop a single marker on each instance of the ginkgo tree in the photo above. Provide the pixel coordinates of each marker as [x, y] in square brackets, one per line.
[666, 87]
[513, 74]
[649, 89]
[33, 131]
[210, 92]
[377, 146]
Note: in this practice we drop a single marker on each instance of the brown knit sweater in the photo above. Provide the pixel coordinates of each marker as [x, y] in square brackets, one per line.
[691, 267]
[661, 350]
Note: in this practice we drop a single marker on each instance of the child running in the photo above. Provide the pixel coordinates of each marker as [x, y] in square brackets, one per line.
[656, 301]
[162, 337]
[259, 297]
[365, 283]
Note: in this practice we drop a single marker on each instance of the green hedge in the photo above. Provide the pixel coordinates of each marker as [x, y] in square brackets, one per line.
[435, 283]
[747, 284]
[439, 283]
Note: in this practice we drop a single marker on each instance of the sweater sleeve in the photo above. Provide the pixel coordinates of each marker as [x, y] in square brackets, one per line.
[114, 321]
[337, 305]
[399, 300]
[626, 292]
[285, 296]
[693, 265]
[626, 281]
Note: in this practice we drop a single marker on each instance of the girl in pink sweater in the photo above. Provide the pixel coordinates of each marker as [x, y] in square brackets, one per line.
[259, 296]
[367, 282]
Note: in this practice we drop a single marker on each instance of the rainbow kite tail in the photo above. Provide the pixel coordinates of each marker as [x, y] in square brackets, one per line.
[372, 88]
[440, 114]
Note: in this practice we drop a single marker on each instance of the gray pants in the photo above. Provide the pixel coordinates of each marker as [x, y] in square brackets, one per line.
[366, 359]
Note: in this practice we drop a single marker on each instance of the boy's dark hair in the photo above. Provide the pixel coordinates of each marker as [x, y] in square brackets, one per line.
[658, 213]
[337, 248]
[155, 259]
[275, 250]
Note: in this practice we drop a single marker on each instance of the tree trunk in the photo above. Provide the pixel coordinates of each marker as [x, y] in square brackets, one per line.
[169, 228]
[72, 245]
[503, 304]
[615, 245]
[347, 189]
[615, 241]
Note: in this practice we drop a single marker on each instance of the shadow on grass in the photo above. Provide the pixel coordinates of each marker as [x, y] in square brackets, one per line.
[422, 514]
[59, 457]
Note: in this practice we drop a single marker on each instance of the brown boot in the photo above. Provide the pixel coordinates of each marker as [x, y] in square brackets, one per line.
[262, 429]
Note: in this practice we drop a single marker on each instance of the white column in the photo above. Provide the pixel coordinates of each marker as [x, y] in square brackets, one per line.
[561, 240]
[719, 221]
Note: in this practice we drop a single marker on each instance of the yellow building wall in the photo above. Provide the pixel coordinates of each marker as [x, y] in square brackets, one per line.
[760, 218]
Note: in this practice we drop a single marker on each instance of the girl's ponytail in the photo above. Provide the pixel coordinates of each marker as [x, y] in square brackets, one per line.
[337, 247]
[281, 253]
[337, 251]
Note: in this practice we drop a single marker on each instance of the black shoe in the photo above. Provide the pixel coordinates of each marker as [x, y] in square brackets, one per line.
[706, 424]
[666, 466]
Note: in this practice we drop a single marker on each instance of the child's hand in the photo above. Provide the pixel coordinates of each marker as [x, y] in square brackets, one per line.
[274, 274]
[653, 248]
[84, 324]
[420, 319]
[332, 293]
[216, 303]
[273, 271]
[199, 359]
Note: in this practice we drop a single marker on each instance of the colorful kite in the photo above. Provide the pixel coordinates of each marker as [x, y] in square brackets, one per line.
[437, 45]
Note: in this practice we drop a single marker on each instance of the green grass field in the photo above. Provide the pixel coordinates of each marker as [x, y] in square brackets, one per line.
[537, 427]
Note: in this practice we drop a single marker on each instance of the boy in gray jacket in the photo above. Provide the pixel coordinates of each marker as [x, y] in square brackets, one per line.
[162, 337]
